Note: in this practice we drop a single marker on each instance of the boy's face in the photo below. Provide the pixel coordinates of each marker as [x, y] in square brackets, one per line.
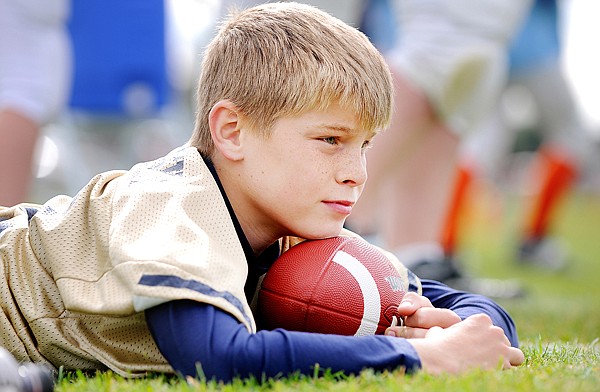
[304, 179]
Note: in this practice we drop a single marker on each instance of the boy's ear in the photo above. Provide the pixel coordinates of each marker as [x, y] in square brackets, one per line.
[224, 122]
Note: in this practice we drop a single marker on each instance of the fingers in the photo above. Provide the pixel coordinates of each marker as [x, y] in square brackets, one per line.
[513, 356]
[412, 302]
[432, 317]
[418, 312]
[516, 356]
[434, 332]
[406, 332]
[413, 333]
[480, 319]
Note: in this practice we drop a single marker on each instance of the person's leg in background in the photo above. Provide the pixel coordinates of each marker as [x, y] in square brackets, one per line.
[414, 173]
[19, 135]
[552, 173]
[537, 77]
[558, 163]
[34, 83]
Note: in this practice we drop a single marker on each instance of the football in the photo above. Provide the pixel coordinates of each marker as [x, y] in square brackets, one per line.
[339, 285]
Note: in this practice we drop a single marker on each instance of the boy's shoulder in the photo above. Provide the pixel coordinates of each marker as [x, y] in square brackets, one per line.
[173, 163]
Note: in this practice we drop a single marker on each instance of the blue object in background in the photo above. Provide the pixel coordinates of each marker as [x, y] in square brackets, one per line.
[378, 22]
[538, 40]
[120, 66]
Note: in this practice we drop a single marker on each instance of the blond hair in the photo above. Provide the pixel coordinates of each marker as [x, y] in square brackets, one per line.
[284, 59]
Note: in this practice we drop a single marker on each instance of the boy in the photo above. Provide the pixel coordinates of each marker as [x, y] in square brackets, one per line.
[154, 269]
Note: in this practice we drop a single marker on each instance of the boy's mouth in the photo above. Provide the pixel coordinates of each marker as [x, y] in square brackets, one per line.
[341, 206]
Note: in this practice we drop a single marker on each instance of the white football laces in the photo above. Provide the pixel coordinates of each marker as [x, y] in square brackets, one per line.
[395, 321]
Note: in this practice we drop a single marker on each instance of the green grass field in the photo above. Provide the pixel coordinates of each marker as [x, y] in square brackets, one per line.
[558, 320]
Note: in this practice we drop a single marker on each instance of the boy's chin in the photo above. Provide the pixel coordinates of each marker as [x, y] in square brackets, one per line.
[321, 234]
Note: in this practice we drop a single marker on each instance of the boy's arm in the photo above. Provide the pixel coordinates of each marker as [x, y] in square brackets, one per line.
[194, 336]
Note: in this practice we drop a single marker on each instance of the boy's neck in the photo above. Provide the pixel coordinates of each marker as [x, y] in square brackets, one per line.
[245, 233]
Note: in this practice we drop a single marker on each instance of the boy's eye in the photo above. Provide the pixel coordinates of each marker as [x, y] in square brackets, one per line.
[330, 140]
[366, 144]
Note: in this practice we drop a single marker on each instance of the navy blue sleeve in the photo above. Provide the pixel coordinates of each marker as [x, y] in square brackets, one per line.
[195, 336]
[467, 304]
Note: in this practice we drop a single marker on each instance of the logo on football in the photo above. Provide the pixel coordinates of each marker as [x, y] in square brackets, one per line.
[340, 285]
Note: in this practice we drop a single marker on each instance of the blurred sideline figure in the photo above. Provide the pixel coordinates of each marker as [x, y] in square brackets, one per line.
[35, 70]
[133, 69]
[536, 76]
[449, 63]
[120, 91]
[119, 80]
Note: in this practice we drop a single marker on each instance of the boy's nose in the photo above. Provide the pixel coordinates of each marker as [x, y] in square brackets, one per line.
[354, 170]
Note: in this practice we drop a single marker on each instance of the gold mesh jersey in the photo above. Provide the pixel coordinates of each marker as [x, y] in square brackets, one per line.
[77, 273]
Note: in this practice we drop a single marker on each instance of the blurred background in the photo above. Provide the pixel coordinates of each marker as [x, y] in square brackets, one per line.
[135, 69]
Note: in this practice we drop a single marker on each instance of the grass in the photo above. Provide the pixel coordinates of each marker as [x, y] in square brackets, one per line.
[558, 320]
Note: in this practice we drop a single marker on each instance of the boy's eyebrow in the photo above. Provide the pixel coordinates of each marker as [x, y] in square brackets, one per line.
[343, 128]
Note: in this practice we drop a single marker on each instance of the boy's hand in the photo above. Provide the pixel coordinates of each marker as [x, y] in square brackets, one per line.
[419, 316]
[472, 343]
